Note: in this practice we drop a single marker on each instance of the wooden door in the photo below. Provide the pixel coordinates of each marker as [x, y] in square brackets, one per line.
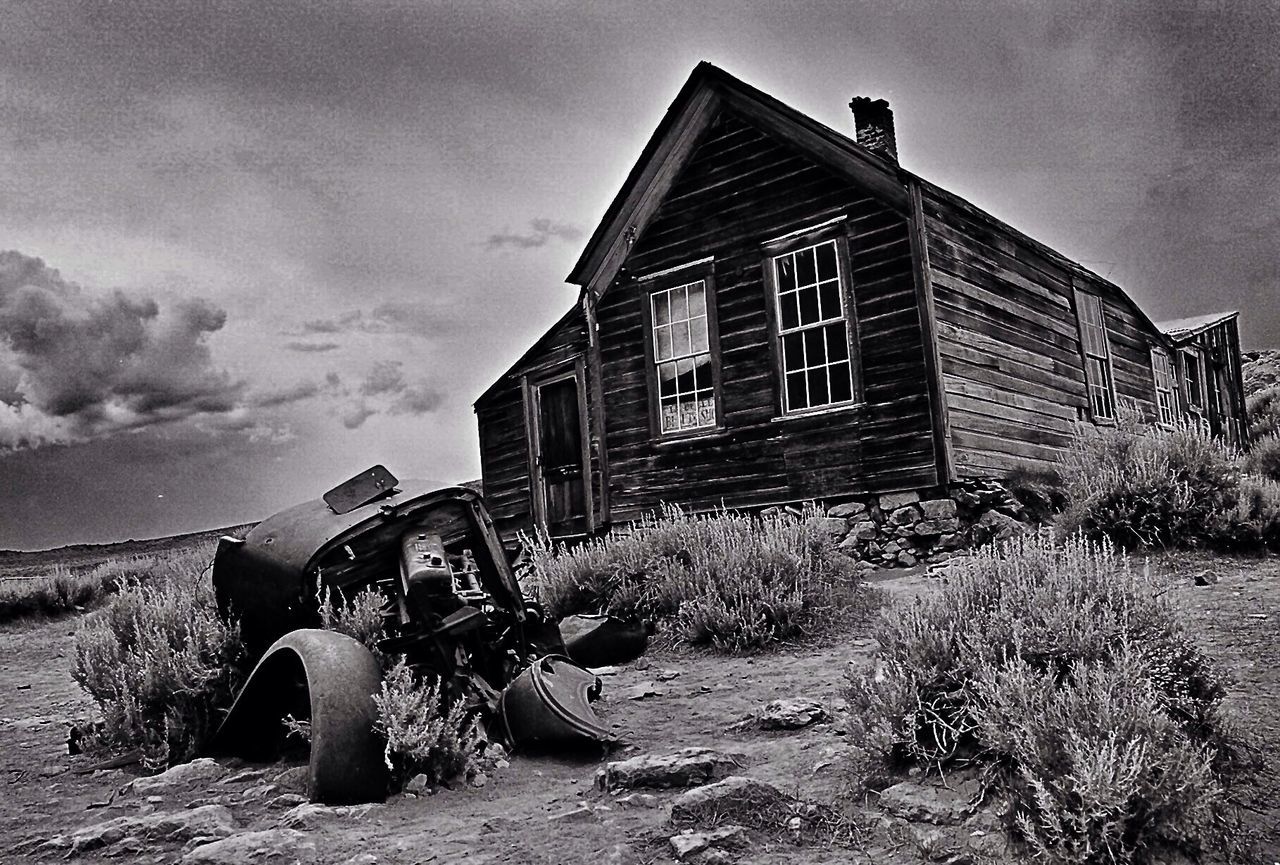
[559, 459]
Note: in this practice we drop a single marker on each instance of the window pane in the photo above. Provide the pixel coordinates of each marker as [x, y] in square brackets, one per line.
[808, 305]
[827, 261]
[706, 411]
[661, 312]
[806, 274]
[837, 342]
[670, 415]
[789, 309]
[679, 304]
[684, 376]
[702, 372]
[829, 295]
[796, 391]
[814, 351]
[680, 339]
[697, 299]
[698, 329]
[662, 342]
[786, 273]
[666, 379]
[793, 351]
[818, 394]
[841, 383]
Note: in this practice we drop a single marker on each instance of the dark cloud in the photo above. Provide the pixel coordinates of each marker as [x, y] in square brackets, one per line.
[426, 320]
[311, 347]
[79, 365]
[416, 400]
[541, 231]
[300, 391]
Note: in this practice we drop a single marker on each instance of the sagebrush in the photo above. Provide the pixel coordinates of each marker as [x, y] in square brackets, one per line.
[732, 581]
[425, 732]
[160, 663]
[1064, 670]
[63, 589]
[359, 617]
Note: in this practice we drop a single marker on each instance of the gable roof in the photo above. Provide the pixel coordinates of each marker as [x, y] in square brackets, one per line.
[1184, 328]
[695, 106]
[709, 88]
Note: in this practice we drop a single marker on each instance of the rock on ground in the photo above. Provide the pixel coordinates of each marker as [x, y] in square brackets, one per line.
[286, 844]
[207, 821]
[737, 797]
[791, 714]
[202, 770]
[687, 767]
[920, 803]
[689, 844]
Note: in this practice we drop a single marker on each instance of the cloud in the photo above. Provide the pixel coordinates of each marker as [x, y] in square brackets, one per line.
[311, 347]
[300, 391]
[394, 317]
[416, 400]
[355, 416]
[76, 365]
[541, 231]
[385, 377]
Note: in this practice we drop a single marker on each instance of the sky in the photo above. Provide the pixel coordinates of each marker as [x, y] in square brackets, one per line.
[248, 249]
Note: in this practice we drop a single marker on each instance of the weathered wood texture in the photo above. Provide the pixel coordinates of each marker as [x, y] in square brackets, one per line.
[504, 440]
[740, 189]
[1009, 343]
[1219, 347]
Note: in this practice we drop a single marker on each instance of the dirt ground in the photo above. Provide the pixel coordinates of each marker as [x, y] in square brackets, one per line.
[529, 812]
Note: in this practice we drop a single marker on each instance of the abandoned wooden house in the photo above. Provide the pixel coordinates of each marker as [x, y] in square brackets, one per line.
[772, 312]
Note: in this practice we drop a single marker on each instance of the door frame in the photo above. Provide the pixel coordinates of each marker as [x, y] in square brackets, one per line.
[572, 369]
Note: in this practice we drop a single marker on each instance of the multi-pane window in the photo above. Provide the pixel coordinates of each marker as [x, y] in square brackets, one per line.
[1162, 373]
[1194, 377]
[682, 357]
[812, 328]
[1097, 356]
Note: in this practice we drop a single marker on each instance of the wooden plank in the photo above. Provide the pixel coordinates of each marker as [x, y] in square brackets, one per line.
[1000, 396]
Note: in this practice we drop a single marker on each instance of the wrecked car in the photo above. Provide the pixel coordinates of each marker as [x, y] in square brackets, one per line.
[451, 605]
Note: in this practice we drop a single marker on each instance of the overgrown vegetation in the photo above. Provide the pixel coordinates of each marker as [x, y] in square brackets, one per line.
[63, 589]
[159, 662]
[1065, 673]
[728, 580]
[425, 732]
[359, 618]
[1145, 486]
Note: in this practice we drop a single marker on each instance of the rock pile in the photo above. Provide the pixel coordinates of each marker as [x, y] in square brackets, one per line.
[906, 528]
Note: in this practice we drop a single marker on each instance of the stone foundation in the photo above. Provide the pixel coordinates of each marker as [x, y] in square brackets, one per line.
[906, 528]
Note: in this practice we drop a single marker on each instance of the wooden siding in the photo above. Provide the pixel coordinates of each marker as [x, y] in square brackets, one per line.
[740, 189]
[1009, 343]
[500, 416]
[1219, 349]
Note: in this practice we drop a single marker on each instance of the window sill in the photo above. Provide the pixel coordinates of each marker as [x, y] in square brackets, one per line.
[712, 435]
[852, 406]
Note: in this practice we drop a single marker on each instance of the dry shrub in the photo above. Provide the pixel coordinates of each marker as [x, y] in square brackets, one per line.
[1141, 485]
[1066, 671]
[64, 589]
[425, 732]
[160, 663]
[1262, 412]
[359, 618]
[1263, 458]
[732, 581]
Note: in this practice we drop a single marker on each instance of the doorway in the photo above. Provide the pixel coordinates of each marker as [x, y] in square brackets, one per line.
[558, 436]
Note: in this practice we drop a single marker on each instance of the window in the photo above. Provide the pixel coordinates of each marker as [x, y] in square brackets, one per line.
[1193, 376]
[1162, 373]
[1097, 356]
[680, 342]
[817, 366]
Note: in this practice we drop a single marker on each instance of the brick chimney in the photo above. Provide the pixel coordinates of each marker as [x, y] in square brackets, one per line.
[873, 122]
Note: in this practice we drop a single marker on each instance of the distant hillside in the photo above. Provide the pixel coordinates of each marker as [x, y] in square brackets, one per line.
[79, 556]
[1261, 370]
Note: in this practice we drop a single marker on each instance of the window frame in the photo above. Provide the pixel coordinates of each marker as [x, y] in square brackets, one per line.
[1199, 405]
[1082, 298]
[798, 241]
[1171, 390]
[651, 284]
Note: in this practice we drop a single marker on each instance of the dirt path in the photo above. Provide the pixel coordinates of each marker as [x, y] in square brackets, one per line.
[529, 812]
